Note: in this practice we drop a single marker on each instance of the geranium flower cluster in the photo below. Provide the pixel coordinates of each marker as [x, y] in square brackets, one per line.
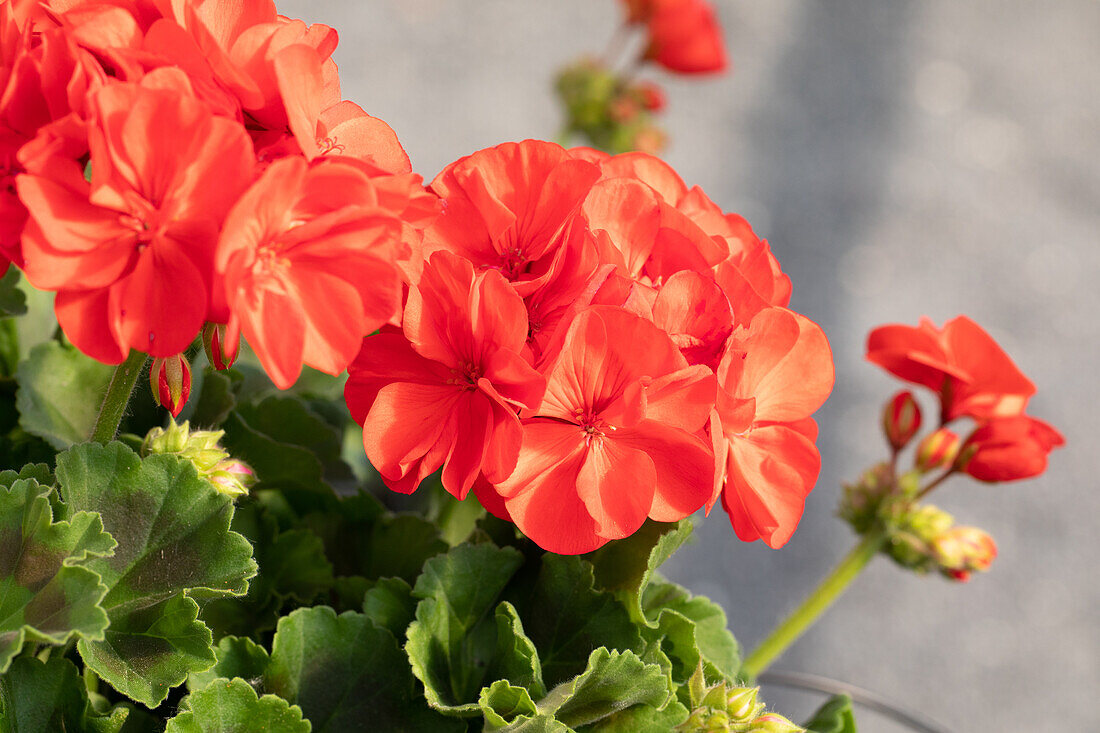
[973, 378]
[168, 164]
[592, 343]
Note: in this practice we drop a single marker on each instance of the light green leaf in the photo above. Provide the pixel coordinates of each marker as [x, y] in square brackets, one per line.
[641, 719]
[46, 593]
[174, 545]
[343, 670]
[237, 657]
[835, 716]
[694, 629]
[613, 681]
[232, 706]
[453, 640]
[516, 659]
[625, 566]
[509, 709]
[60, 391]
[390, 605]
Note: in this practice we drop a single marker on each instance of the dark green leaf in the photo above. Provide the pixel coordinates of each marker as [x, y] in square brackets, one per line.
[343, 670]
[60, 391]
[835, 716]
[215, 401]
[626, 566]
[566, 618]
[517, 660]
[612, 681]
[12, 300]
[453, 640]
[46, 593]
[290, 421]
[174, 544]
[46, 697]
[237, 657]
[390, 604]
[233, 706]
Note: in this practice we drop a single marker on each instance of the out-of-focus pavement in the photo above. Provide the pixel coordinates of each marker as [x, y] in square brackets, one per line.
[903, 158]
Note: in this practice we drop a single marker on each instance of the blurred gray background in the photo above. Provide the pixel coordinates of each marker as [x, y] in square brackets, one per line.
[903, 159]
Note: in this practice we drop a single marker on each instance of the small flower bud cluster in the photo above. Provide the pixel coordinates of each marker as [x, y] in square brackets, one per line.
[723, 708]
[614, 114]
[879, 496]
[228, 475]
[926, 538]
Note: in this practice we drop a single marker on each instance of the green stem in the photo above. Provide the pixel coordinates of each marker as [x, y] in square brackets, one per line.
[117, 397]
[834, 584]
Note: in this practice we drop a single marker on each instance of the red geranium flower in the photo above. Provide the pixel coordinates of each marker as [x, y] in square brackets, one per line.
[447, 390]
[972, 374]
[614, 440]
[131, 253]
[684, 36]
[508, 209]
[773, 376]
[309, 256]
[1009, 448]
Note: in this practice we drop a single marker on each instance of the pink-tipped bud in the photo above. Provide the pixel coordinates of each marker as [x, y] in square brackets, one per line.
[221, 351]
[901, 419]
[652, 96]
[170, 380]
[963, 550]
[937, 450]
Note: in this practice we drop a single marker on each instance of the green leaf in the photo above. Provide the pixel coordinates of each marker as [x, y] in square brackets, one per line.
[390, 605]
[237, 657]
[517, 660]
[232, 706]
[566, 618]
[12, 300]
[45, 697]
[60, 391]
[502, 702]
[362, 539]
[174, 546]
[613, 681]
[626, 566]
[453, 640]
[641, 719]
[39, 472]
[835, 716]
[343, 670]
[46, 594]
[694, 630]
[215, 401]
[348, 592]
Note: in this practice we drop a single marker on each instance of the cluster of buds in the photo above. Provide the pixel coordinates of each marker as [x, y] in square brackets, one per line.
[228, 475]
[170, 377]
[723, 708]
[611, 112]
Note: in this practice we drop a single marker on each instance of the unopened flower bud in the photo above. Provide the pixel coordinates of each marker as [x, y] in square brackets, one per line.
[772, 723]
[232, 477]
[170, 380]
[742, 704]
[228, 475]
[937, 450]
[650, 139]
[221, 350]
[962, 550]
[623, 108]
[901, 419]
[652, 96]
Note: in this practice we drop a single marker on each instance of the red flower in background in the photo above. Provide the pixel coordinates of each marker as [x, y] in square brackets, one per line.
[614, 440]
[1009, 448]
[447, 390]
[684, 36]
[972, 374]
[131, 253]
[309, 258]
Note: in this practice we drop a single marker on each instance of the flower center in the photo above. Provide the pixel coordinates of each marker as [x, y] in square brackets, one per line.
[330, 145]
[465, 375]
